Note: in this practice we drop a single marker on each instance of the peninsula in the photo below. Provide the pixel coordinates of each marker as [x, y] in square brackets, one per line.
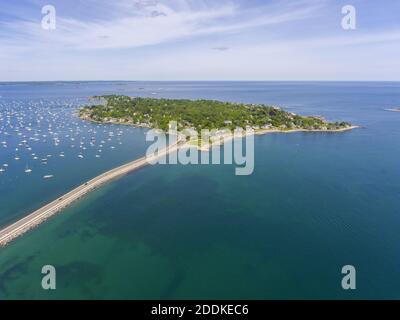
[158, 113]
[201, 114]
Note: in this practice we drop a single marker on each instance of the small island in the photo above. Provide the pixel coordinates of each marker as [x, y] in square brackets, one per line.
[201, 114]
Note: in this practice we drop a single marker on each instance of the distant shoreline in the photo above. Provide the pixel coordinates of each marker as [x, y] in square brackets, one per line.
[5, 82]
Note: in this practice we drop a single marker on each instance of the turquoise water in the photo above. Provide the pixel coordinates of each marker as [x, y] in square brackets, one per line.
[315, 203]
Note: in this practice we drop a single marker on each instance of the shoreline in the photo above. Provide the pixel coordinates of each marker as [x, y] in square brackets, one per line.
[113, 122]
[207, 147]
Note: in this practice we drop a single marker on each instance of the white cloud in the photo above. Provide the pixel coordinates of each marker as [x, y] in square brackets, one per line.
[143, 23]
[219, 46]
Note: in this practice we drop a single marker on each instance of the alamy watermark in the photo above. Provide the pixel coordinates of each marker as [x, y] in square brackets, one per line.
[49, 280]
[349, 280]
[181, 147]
[349, 20]
[49, 20]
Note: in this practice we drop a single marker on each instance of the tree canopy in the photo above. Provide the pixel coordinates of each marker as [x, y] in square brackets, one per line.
[199, 114]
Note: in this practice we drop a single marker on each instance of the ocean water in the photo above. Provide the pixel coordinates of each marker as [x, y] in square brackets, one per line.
[315, 202]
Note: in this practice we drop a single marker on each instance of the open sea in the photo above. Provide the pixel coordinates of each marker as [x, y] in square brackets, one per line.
[315, 202]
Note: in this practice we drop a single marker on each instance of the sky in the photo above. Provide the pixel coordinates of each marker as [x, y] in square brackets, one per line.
[200, 40]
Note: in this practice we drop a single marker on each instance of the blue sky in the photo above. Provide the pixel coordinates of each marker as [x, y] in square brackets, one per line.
[199, 40]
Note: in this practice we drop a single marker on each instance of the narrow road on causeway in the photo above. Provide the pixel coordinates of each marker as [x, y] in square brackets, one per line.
[35, 218]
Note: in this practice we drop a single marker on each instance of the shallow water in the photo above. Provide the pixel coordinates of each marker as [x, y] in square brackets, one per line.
[315, 202]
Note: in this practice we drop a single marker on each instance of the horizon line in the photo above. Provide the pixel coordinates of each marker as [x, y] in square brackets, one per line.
[46, 81]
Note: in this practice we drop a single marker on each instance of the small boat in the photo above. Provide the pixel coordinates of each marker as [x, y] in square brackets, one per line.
[49, 176]
[2, 170]
[81, 156]
[28, 170]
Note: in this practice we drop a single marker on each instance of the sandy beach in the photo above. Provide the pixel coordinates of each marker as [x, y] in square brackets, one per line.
[224, 138]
